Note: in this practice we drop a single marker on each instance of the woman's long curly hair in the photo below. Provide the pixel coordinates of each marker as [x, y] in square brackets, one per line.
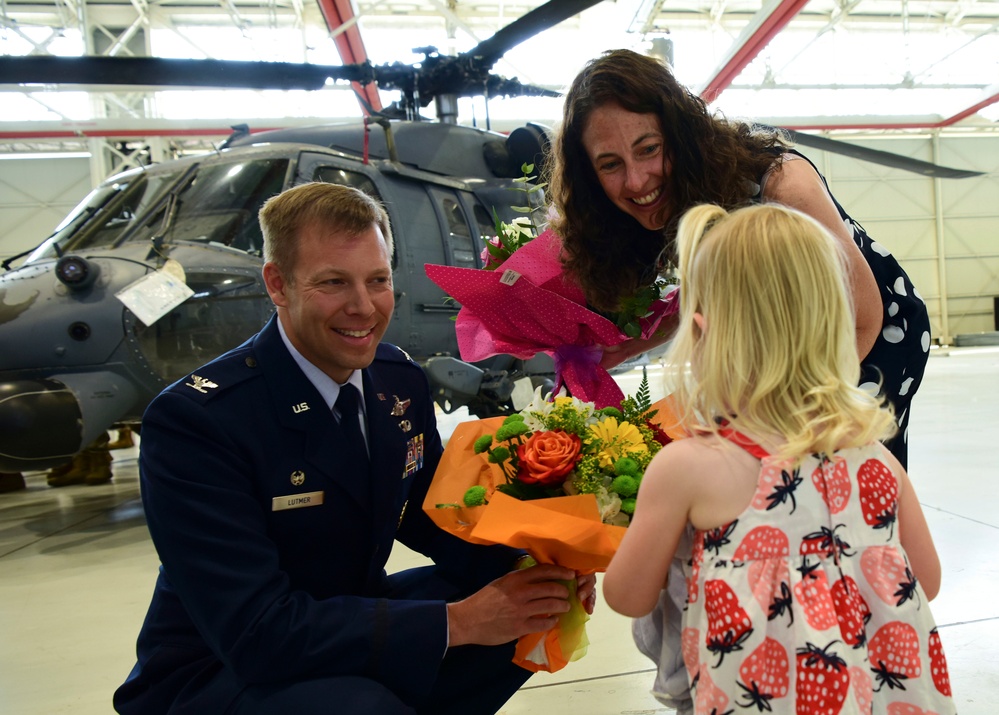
[711, 160]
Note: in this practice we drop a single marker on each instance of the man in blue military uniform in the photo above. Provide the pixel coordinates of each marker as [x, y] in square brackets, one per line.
[273, 507]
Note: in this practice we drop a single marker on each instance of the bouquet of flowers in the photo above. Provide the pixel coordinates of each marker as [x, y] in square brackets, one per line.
[524, 304]
[557, 479]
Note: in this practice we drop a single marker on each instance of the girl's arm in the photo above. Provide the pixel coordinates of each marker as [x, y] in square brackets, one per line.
[914, 533]
[798, 186]
[638, 571]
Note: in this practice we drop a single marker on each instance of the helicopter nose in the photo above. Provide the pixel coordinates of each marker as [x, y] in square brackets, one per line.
[45, 421]
[39, 424]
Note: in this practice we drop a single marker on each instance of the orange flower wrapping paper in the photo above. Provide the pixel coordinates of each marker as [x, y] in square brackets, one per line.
[566, 531]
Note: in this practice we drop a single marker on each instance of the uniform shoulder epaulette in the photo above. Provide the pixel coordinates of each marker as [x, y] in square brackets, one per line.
[393, 353]
[219, 375]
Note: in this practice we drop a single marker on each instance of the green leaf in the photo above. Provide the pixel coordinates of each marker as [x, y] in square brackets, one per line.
[643, 397]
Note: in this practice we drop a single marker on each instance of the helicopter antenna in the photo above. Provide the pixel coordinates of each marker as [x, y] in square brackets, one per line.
[238, 132]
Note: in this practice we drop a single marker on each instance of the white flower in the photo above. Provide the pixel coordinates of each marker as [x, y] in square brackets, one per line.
[523, 226]
[610, 506]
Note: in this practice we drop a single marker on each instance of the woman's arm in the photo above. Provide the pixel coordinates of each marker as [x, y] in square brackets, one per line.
[614, 355]
[798, 185]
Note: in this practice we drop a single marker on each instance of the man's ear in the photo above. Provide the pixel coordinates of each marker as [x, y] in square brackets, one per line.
[276, 284]
[701, 322]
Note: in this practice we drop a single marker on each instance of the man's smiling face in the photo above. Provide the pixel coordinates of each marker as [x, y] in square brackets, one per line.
[337, 303]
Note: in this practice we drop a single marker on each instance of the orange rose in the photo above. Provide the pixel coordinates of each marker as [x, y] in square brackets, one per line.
[547, 457]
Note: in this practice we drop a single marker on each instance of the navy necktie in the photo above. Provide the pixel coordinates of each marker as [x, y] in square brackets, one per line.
[347, 405]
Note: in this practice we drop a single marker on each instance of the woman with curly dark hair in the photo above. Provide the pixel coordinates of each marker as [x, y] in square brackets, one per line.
[635, 150]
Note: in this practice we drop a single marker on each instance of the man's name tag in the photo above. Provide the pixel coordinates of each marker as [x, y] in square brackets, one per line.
[296, 501]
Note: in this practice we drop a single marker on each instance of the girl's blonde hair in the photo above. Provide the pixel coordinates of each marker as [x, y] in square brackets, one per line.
[778, 355]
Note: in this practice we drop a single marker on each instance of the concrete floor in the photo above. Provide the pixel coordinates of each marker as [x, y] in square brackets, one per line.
[77, 569]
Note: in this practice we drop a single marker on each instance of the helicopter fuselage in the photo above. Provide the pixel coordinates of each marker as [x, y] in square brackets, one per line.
[77, 361]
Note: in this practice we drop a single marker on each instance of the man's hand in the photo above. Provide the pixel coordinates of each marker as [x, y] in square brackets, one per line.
[586, 590]
[521, 602]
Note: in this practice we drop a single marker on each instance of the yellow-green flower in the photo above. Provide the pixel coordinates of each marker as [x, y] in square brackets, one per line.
[617, 439]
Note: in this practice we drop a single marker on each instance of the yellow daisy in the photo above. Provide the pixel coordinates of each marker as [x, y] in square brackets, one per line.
[617, 440]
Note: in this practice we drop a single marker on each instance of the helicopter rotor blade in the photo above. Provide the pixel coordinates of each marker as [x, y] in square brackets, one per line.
[527, 26]
[497, 86]
[154, 71]
[876, 156]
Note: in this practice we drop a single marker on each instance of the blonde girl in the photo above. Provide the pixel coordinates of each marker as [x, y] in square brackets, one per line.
[812, 562]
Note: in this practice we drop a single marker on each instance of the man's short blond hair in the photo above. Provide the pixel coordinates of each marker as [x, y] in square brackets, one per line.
[338, 209]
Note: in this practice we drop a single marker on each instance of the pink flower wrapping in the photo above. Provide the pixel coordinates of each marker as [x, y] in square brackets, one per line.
[527, 306]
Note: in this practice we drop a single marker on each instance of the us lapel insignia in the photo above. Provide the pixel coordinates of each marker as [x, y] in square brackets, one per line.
[298, 477]
[400, 406]
[405, 425]
[200, 383]
[300, 407]
[414, 455]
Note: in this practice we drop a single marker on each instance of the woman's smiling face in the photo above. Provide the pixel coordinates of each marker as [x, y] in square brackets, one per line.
[626, 151]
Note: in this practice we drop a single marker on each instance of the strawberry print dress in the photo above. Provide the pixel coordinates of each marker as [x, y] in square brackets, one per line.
[806, 604]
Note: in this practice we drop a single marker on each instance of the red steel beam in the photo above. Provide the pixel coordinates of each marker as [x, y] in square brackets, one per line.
[349, 45]
[989, 97]
[766, 29]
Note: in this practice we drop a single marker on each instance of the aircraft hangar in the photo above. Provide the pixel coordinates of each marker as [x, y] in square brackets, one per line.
[895, 101]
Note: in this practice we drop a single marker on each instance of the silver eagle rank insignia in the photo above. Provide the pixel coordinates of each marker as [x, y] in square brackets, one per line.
[200, 383]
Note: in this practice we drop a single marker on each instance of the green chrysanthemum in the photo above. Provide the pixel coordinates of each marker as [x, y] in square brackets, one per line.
[625, 486]
[483, 443]
[475, 496]
[627, 466]
[509, 430]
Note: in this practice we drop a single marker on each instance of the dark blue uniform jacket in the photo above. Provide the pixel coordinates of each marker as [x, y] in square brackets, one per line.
[252, 593]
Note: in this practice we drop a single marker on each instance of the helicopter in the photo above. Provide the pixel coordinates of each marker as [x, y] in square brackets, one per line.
[95, 363]
[90, 332]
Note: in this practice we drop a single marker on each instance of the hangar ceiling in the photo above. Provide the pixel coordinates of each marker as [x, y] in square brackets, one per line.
[877, 65]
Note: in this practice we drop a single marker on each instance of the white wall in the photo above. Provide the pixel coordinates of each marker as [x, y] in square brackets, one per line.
[35, 195]
[944, 232]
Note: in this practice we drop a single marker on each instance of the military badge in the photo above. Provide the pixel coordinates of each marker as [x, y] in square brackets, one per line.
[200, 383]
[414, 455]
[298, 477]
[400, 406]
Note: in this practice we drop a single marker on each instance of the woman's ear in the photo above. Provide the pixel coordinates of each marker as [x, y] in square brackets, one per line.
[701, 323]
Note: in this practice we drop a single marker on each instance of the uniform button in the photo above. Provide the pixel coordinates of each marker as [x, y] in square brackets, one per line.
[251, 362]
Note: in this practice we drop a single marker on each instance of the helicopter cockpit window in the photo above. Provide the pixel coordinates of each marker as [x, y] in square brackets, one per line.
[487, 227]
[225, 308]
[106, 213]
[462, 245]
[218, 205]
[333, 175]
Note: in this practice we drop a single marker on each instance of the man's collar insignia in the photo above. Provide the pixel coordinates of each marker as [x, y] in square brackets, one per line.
[200, 383]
